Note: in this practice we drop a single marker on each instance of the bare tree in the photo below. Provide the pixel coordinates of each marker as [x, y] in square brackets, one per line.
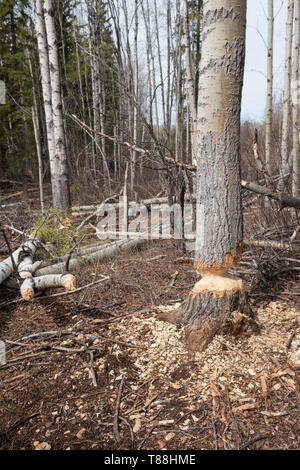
[190, 80]
[295, 98]
[61, 198]
[269, 113]
[285, 166]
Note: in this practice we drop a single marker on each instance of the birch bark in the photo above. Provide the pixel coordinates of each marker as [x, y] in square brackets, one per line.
[61, 199]
[269, 113]
[285, 166]
[295, 102]
[46, 90]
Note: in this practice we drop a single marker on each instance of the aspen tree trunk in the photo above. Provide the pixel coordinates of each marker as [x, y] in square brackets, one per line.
[219, 231]
[169, 104]
[95, 72]
[162, 86]
[46, 90]
[136, 94]
[191, 80]
[61, 199]
[36, 130]
[285, 166]
[151, 65]
[178, 130]
[269, 113]
[295, 102]
[37, 136]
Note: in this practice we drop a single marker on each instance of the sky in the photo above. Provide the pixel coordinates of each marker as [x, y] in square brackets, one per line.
[255, 81]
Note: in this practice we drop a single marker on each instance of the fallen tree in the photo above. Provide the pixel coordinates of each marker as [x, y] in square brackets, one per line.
[22, 258]
[107, 251]
[31, 284]
[45, 277]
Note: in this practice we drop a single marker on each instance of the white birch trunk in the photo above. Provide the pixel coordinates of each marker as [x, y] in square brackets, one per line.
[61, 199]
[285, 166]
[191, 81]
[46, 89]
[269, 106]
[295, 102]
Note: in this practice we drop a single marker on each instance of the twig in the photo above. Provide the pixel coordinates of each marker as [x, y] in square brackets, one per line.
[236, 426]
[130, 428]
[252, 441]
[19, 423]
[70, 253]
[295, 326]
[116, 415]
[105, 278]
[215, 433]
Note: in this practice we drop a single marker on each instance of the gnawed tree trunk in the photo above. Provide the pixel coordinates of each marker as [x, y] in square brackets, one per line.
[219, 231]
[46, 282]
[104, 252]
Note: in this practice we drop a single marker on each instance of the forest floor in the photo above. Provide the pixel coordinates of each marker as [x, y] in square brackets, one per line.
[112, 376]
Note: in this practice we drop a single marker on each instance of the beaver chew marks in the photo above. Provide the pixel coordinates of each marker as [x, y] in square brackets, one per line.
[218, 285]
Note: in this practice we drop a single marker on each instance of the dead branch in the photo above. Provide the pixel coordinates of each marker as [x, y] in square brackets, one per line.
[284, 199]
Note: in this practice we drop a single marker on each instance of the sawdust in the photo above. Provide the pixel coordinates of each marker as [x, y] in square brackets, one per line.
[228, 360]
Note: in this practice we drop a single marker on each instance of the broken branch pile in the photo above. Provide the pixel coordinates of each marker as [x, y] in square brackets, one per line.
[22, 261]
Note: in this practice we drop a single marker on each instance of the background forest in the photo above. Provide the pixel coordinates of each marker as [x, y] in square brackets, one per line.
[128, 73]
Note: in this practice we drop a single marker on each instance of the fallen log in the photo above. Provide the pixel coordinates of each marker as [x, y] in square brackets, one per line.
[26, 267]
[21, 258]
[112, 249]
[31, 284]
[80, 252]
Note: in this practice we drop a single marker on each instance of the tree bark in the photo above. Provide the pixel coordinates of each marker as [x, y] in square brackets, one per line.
[46, 90]
[269, 114]
[191, 81]
[61, 198]
[285, 166]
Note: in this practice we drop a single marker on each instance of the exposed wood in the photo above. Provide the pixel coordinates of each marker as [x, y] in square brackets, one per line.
[46, 282]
